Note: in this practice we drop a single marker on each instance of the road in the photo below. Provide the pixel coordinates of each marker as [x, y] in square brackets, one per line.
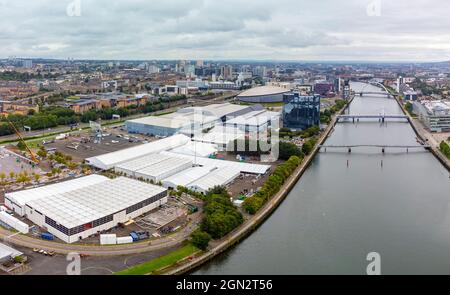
[97, 250]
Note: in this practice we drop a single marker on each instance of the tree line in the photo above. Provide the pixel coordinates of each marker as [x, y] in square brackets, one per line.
[53, 116]
[272, 185]
[445, 149]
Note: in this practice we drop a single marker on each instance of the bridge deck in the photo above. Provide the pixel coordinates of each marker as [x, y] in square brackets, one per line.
[375, 145]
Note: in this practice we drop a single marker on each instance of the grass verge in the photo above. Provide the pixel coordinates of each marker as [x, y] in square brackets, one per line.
[161, 262]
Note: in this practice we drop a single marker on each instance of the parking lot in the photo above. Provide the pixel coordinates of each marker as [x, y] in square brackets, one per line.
[85, 145]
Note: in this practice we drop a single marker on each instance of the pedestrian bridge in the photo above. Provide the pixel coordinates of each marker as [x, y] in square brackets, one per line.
[383, 147]
[373, 93]
[380, 117]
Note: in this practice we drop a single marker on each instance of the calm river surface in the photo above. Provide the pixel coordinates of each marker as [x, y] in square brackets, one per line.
[336, 214]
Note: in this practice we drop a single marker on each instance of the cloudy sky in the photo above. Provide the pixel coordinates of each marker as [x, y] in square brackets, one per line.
[369, 30]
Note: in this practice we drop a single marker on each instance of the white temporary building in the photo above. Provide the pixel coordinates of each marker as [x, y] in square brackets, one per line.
[186, 177]
[220, 136]
[14, 222]
[196, 148]
[256, 121]
[129, 168]
[16, 201]
[219, 177]
[80, 213]
[242, 167]
[163, 169]
[110, 160]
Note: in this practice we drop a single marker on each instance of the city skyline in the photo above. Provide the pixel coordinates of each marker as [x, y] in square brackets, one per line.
[287, 30]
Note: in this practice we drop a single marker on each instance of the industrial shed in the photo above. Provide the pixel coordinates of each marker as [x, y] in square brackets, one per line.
[242, 167]
[220, 136]
[130, 168]
[219, 177]
[256, 121]
[185, 121]
[110, 160]
[80, 213]
[196, 148]
[163, 169]
[186, 177]
[16, 201]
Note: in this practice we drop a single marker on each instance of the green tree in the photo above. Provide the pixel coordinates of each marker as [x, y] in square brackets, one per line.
[200, 239]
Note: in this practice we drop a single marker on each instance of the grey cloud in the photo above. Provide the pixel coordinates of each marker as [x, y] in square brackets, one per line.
[278, 29]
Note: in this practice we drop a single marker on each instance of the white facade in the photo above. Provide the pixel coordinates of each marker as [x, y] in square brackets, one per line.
[80, 213]
[218, 177]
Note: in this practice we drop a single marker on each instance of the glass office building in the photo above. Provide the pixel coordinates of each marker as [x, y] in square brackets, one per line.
[300, 111]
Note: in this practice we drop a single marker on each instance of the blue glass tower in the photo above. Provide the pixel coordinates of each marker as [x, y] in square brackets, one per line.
[300, 111]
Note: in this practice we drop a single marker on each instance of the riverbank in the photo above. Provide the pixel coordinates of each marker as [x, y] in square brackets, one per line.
[254, 222]
[423, 136]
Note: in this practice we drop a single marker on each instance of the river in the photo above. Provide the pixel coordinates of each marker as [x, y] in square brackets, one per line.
[396, 204]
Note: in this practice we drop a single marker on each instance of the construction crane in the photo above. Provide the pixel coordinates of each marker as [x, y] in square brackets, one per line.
[33, 156]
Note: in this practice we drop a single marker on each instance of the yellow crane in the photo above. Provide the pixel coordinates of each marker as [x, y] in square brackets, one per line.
[33, 156]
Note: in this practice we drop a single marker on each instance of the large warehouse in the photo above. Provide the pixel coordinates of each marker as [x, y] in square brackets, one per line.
[110, 160]
[263, 94]
[80, 213]
[188, 121]
[16, 201]
[163, 169]
[186, 177]
[207, 162]
[219, 177]
[254, 122]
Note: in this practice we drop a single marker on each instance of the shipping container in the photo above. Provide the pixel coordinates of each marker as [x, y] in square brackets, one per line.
[108, 239]
[47, 236]
[134, 236]
[124, 240]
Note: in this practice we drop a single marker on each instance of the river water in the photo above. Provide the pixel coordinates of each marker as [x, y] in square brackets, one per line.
[396, 204]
